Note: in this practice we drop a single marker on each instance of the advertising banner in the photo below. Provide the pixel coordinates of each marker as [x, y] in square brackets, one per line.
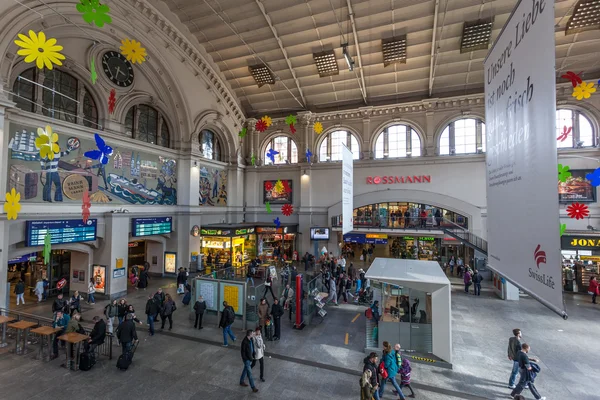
[99, 276]
[347, 190]
[520, 99]
[170, 262]
[576, 188]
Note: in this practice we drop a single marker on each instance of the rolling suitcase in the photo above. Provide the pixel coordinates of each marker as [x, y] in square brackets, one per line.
[125, 359]
[86, 361]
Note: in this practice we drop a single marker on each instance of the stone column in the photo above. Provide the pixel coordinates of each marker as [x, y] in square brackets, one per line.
[429, 143]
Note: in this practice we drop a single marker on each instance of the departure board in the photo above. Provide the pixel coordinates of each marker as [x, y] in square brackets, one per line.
[61, 231]
[151, 226]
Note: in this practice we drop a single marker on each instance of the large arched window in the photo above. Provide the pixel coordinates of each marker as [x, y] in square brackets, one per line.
[398, 141]
[288, 151]
[581, 133]
[210, 147]
[331, 147]
[61, 96]
[146, 123]
[463, 136]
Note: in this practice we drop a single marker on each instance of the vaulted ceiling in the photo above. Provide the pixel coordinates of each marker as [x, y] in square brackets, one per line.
[284, 34]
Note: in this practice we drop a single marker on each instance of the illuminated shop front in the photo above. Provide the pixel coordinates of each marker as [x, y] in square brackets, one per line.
[580, 261]
[416, 248]
[271, 238]
[234, 243]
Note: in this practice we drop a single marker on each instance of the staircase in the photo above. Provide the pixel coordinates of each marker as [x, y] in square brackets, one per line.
[466, 237]
[371, 344]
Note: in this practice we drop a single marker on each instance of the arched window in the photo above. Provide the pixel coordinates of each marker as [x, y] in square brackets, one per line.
[288, 152]
[331, 147]
[463, 136]
[209, 145]
[63, 96]
[146, 123]
[582, 133]
[398, 141]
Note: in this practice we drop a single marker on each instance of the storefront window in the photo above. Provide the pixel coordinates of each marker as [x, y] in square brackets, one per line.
[216, 250]
[407, 216]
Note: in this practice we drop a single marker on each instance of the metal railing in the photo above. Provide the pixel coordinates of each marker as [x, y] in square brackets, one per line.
[104, 350]
[468, 238]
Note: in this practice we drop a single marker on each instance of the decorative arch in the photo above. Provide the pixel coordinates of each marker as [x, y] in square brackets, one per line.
[439, 129]
[338, 127]
[590, 112]
[213, 121]
[379, 131]
[272, 135]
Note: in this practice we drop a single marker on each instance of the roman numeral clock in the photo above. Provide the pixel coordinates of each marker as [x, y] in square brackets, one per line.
[117, 69]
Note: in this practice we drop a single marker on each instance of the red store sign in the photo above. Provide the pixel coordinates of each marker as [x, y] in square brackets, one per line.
[390, 180]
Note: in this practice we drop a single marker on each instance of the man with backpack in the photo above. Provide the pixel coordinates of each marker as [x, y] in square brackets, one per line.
[227, 319]
[110, 312]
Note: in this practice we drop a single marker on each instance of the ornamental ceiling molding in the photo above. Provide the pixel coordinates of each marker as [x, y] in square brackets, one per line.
[218, 85]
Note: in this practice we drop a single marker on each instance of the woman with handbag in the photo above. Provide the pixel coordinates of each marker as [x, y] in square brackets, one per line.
[269, 285]
[593, 289]
[259, 352]
[389, 365]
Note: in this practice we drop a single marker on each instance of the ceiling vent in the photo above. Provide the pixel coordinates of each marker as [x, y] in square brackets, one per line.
[586, 16]
[476, 35]
[262, 75]
[394, 50]
[326, 63]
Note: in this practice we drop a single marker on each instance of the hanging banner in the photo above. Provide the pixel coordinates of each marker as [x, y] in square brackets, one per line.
[520, 95]
[347, 190]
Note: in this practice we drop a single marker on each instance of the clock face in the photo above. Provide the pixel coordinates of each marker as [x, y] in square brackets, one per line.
[117, 69]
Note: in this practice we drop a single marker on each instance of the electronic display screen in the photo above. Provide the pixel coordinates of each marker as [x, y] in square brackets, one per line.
[319, 233]
[61, 231]
[151, 226]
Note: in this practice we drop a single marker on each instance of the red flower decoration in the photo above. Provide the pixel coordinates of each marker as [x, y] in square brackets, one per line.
[268, 186]
[112, 100]
[578, 211]
[573, 77]
[85, 207]
[563, 136]
[287, 210]
[292, 129]
[286, 186]
[261, 125]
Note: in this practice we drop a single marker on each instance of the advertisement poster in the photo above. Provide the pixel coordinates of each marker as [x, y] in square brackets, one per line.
[232, 294]
[170, 262]
[520, 99]
[347, 190]
[208, 291]
[576, 188]
[275, 193]
[99, 275]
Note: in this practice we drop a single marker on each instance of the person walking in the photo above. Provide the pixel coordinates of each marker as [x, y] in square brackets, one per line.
[287, 299]
[227, 319]
[263, 313]
[250, 272]
[593, 288]
[127, 334]
[277, 313]
[159, 296]
[247, 358]
[268, 286]
[333, 291]
[110, 312]
[91, 291]
[151, 310]
[367, 391]
[167, 312]
[20, 291]
[467, 279]
[514, 346]
[122, 310]
[451, 264]
[525, 372]
[259, 352]
[370, 364]
[199, 308]
[39, 290]
[391, 365]
[477, 278]
[405, 370]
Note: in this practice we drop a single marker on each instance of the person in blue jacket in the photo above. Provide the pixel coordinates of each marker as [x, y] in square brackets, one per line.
[391, 365]
[61, 320]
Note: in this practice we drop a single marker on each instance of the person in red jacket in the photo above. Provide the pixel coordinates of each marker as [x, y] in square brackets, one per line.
[593, 289]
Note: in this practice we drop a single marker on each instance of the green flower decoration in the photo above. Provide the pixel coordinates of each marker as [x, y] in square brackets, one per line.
[563, 228]
[243, 133]
[94, 12]
[290, 120]
[253, 159]
[268, 207]
[563, 172]
[93, 74]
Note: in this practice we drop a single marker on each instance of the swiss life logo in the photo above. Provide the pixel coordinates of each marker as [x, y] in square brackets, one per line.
[539, 256]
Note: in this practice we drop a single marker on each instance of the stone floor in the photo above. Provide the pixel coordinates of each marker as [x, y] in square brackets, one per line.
[315, 363]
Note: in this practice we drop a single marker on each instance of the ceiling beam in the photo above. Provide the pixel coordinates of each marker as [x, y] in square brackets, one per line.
[363, 87]
[280, 43]
[433, 46]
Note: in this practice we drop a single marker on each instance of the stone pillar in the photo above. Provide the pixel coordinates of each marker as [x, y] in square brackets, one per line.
[367, 152]
[429, 140]
[4, 224]
[305, 212]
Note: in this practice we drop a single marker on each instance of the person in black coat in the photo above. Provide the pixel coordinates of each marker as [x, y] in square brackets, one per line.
[152, 309]
[127, 334]
[247, 357]
[97, 336]
[199, 308]
[143, 281]
[477, 278]
[371, 364]
[60, 304]
[159, 296]
[277, 313]
[121, 310]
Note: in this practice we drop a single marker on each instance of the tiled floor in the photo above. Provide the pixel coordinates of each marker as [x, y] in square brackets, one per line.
[315, 363]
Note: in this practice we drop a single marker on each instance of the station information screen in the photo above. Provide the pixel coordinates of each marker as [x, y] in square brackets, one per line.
[151, 226]
[61, 231]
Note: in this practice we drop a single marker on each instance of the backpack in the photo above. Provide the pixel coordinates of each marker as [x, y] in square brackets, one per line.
[230, 316]
[369, 313]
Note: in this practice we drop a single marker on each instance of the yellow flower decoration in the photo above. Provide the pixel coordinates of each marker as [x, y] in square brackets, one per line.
[36, 48]
[583, 90]
[12, 206]
[133, 51]
[267, 120]
[46, 143]
[318, 127]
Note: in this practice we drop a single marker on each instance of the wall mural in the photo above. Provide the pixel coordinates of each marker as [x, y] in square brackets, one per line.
[213, 187]
[128, 176]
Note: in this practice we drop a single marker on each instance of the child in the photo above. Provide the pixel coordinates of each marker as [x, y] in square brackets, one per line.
[405, 370]
[366, 388]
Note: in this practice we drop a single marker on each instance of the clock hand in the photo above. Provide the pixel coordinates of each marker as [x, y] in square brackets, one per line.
[120, 72]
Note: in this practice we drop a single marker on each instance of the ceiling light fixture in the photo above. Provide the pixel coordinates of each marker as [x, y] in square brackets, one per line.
[476, 35]
[586, 16]
[262, 75]
[349, 59]
[326, 63]
[394, 50]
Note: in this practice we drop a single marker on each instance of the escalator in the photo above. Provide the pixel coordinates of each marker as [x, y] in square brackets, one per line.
[466, 237]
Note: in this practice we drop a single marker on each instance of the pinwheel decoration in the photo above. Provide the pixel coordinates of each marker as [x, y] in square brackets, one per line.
[133, 51]
[268, 207]
[277, 222]
[268, 186]
[573, 77]
[594, 177]
[318, 127]
[112, 101]
[308, 155]
[93, 11]
[242, 133]
[563, 228]
[279, 186]
[565, 133]
[12, 207]
[47, 143]
[102, 154]
[85, 207]
[286, 186]
[35, 47]
[253, 160]
[287, 209]
[261, 125]
[267, 120]
[93, 73]
[584, 90]
[563, 172]
[47, 247]
[271, 154]
[291, 121]
[578, 211]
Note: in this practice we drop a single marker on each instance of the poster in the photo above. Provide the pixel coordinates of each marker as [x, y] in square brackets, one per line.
[170, 262]
[129, 177]
[576, 188]
[208, 292]
[278, 195]
[81, 275]
[347, 190]
[232, 294]
[520, 99]
[213, 187]
[99, 276]
[119, 273]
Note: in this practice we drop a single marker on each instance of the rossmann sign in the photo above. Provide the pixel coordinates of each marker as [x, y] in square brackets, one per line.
[391, 180]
